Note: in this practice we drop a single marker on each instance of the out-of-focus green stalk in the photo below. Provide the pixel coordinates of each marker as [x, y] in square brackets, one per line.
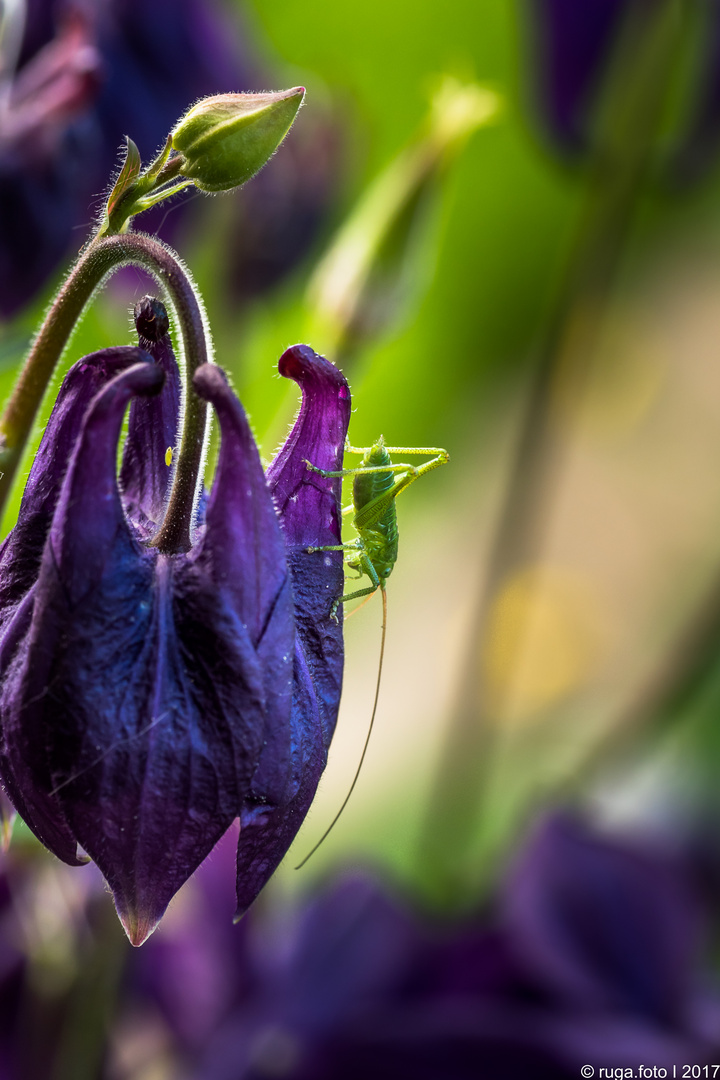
[635, 96]
[92, 1003]
[363, 283]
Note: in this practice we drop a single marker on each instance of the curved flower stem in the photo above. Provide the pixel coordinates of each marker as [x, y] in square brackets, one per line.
[99, 260]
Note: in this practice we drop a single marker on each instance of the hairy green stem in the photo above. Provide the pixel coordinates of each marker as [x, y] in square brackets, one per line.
[98, 261]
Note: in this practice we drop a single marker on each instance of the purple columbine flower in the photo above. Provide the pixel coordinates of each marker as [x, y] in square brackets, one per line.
[149, 699]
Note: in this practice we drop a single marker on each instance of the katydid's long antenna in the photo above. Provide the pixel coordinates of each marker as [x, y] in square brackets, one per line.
[346, 800]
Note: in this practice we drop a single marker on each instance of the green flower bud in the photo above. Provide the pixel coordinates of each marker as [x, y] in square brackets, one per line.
[226, 139]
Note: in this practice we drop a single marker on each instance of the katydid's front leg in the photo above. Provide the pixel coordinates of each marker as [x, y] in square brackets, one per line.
[352, 545]
[400, 467]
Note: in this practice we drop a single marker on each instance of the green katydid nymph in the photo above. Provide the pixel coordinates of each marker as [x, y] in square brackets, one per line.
[377, 483]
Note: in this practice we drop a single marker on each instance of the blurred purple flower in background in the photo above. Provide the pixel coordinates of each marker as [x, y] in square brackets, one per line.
[150, 698]
[590, 955]
[571, 43]
[89, 72]
[573, 49]
[606, 936]
[47, 142]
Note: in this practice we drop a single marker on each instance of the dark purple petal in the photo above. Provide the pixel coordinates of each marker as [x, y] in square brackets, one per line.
[310, 515]
[195, 968]
[19, 566]
[309, 509]
[22, 549]
[267, 831]
[148, 786]
[309, 504]
[27, 688]
[243, 547]
[264, 596]
[242, 553]
[152, 427]
[23, 764]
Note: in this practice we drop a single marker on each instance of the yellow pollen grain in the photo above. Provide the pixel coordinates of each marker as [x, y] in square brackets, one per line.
[168, 456]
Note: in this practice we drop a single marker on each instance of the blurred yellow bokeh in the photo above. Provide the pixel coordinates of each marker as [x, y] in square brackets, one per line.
[545, 637]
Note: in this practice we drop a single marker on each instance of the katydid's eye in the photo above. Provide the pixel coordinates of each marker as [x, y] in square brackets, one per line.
[168, 456]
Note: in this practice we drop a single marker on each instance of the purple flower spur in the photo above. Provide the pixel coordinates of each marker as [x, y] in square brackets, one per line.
[148, 699]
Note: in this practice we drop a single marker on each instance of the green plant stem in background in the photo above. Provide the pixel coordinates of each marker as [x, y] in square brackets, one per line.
[98, 261]
[682, 681]
[364, 281]
[92, 999]
[635, 97]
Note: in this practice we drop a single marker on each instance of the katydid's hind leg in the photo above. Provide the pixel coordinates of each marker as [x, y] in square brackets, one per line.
[366, 567]
[374, 510]
[440, 457]
[351, 596]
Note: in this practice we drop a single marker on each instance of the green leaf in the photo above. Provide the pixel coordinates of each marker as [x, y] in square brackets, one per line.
[128, 175]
